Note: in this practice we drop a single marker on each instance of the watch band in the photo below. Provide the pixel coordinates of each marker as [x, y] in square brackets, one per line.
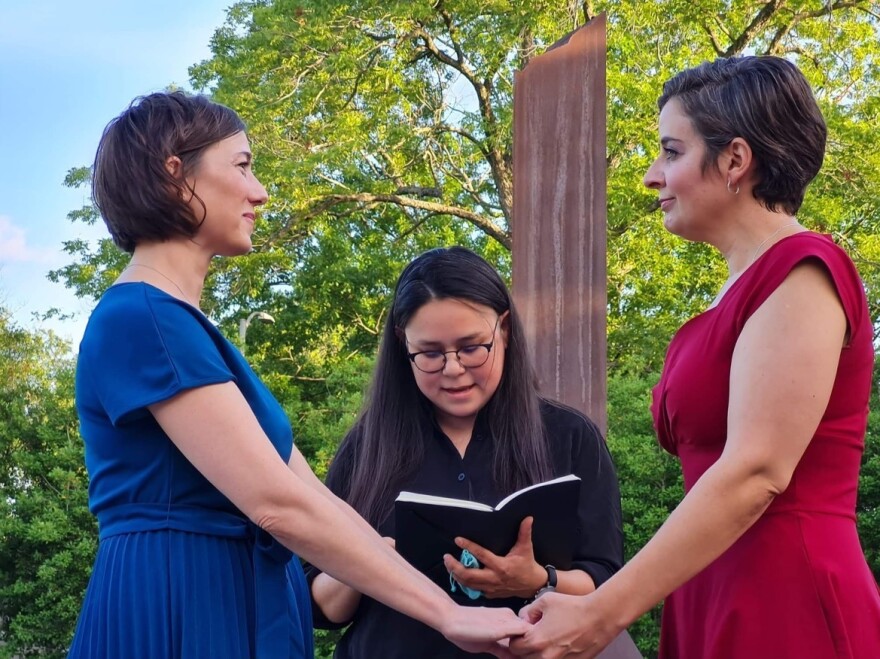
[551, 576]
[550, 586]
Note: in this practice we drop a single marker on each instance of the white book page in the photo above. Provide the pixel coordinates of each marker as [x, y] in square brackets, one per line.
[433, 500]
[511, 497]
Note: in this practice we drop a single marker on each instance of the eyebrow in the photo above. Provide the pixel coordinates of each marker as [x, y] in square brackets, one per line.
[666, 140]
[470, 339]
[246, 154]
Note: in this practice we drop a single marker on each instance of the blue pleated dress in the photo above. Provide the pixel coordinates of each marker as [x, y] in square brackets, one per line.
[180, 571]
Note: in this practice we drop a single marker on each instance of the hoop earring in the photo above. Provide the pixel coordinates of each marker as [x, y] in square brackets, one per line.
[732, 191]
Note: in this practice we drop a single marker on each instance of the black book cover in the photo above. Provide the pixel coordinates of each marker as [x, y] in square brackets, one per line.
[426, 526]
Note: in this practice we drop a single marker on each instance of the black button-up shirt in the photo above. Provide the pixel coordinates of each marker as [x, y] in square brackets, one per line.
[577, 447]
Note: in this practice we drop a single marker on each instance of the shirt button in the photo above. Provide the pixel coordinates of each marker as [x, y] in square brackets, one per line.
[461, 477]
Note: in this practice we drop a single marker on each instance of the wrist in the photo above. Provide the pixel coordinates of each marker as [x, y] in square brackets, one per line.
[447, 618]
[614, 605]
[550, 581]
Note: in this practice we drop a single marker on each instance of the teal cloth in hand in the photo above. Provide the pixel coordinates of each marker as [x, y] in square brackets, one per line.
[468, 560]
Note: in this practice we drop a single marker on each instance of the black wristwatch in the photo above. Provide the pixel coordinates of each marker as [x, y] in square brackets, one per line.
[550, 586]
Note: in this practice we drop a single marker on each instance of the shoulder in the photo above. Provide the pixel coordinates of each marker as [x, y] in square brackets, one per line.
[143, 346]
[344, 459]
[806, 246]
[136, 310]
[130, 304]
[808, 258]
[141, 331]
[560, 419]
[576, 443]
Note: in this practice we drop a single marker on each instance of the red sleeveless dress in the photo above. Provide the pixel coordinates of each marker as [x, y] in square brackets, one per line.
[796, 584]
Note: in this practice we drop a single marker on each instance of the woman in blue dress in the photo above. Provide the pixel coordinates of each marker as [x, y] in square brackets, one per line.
[201, 496]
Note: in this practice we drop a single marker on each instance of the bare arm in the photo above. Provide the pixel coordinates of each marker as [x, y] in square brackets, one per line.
[214, 428]
[782, 373]
[338, 601]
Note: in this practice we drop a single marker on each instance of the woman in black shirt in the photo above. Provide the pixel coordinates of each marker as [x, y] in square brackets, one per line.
[454, 411]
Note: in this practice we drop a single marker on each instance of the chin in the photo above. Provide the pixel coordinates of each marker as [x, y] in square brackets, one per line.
[673, 227]
[237, 250]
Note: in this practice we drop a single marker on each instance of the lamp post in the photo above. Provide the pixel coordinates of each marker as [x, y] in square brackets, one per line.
[244, 323]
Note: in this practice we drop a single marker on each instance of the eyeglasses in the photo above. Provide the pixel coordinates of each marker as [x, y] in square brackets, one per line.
[472, 356]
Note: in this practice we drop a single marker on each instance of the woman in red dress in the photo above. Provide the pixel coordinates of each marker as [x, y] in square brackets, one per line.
[763, 397]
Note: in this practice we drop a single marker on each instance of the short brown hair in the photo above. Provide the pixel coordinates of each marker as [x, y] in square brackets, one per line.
[138, 197]
[766, 101]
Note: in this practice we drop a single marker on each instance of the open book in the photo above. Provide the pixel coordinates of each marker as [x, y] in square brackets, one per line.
[426, 526]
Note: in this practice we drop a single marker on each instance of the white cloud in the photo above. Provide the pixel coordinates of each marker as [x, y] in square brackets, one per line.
[14, 247]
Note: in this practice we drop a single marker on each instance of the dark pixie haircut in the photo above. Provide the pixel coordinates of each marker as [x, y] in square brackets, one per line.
[767, 102]
[397, 419]
[138, 197]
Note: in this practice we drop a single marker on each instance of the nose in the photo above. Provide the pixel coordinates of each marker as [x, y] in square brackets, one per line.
[453, 365]
[653, 177]
[258, 194]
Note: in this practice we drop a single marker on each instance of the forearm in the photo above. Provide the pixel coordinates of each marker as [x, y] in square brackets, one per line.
[299, 467]
[353, 553]
[574, 582]
[246, 469]
[722, 505]
[337, 601]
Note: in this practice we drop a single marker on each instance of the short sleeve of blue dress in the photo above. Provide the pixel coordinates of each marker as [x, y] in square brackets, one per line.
[145, 347]
[180, 571]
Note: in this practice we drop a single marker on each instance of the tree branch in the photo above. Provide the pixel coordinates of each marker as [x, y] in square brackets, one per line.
[713, 39]
[761, 19]
[501, 172]
[369, 200]
[766, 14]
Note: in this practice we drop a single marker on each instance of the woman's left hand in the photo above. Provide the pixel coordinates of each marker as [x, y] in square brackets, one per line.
[514, 575]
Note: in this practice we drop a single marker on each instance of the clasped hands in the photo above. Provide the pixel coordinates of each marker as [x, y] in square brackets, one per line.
[560, 625]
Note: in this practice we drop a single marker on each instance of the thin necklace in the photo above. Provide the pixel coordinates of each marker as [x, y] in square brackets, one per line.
[768, 239]
[159, 272]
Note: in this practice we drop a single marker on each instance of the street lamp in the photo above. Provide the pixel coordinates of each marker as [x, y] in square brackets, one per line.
[244, 323]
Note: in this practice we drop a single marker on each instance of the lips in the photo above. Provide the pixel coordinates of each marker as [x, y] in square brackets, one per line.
[666, 202]
[458, 390]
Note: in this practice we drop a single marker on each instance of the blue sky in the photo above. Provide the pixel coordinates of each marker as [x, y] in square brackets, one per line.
[66, 69]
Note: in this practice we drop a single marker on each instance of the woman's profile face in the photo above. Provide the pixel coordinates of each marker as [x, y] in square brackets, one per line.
[225, 182]
[690, 198]
[457, 392]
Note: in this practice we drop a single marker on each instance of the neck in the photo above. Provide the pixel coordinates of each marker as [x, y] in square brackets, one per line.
[172, 266]
[752, 239]
[459, 430]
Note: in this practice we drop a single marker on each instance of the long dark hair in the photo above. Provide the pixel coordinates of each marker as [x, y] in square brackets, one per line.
[397, 419]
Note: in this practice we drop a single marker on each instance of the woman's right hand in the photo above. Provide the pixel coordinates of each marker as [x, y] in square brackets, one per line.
[563, 626]
[482, 629]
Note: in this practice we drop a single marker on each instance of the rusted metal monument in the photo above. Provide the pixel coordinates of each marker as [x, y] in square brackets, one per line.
[559, 223]
[559, 216]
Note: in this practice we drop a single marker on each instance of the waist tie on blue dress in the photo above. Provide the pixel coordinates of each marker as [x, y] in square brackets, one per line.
[270, 559]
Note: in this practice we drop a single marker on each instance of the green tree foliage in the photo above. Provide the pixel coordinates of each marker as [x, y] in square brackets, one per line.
[382, 128]
[47, 535]
[407, 105]
[650, 479]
